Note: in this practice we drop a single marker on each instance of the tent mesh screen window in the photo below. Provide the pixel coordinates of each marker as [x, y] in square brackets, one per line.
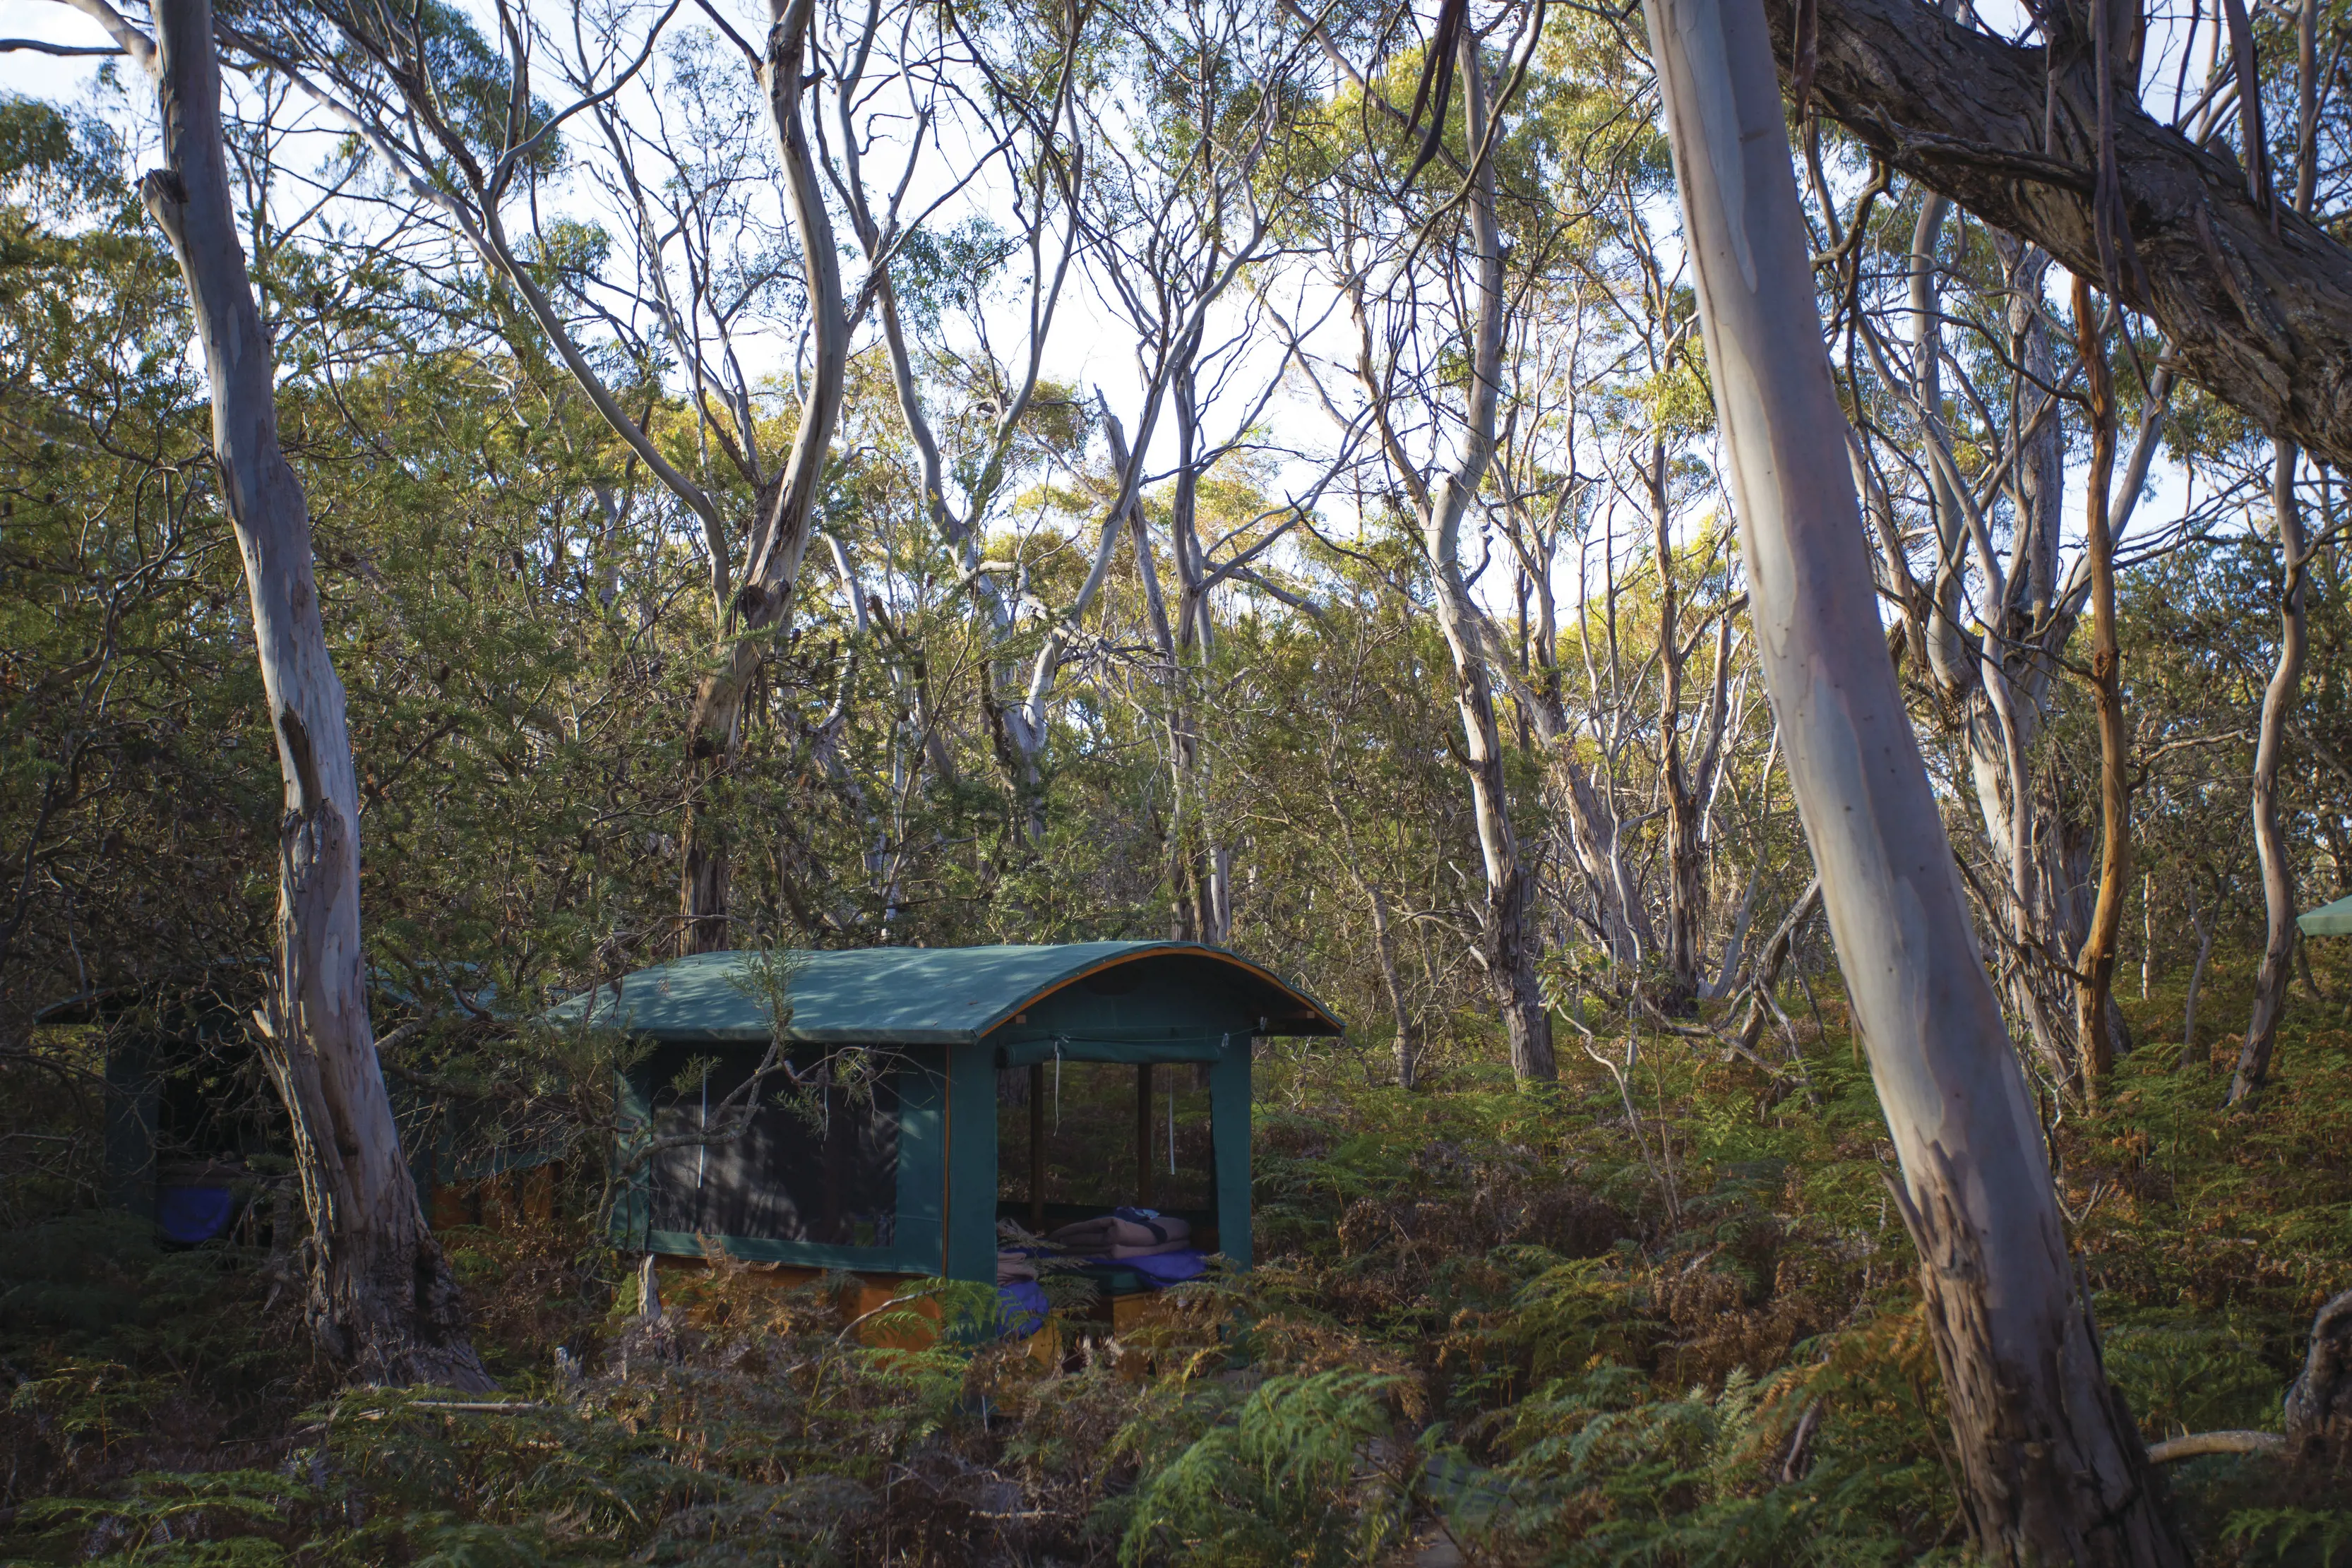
[817, 1162]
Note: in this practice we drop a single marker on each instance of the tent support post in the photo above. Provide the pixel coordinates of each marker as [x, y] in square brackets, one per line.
[1037, 1147]
[970, 1191]
[1143, 1135]
[1229, 1125]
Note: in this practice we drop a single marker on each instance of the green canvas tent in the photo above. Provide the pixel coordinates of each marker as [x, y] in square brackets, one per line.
[2328, 920]
[899, 1172]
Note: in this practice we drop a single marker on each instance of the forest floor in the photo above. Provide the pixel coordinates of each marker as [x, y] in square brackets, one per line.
[1521, 1328]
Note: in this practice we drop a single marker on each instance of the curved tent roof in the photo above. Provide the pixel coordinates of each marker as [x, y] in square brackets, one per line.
[912, 996]
[2328, 920]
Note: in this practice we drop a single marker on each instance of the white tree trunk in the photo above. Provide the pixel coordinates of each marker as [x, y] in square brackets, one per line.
[383, 1301]
[1947, 657]
[2192, 1055]
[2278, 875]
[2054, 1472]
[1509, 938]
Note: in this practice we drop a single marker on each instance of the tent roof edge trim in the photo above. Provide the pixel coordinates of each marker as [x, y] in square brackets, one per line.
[897, 996]
[2327, 920]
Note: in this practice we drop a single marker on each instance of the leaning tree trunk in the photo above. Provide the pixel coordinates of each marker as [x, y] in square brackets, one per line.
[771, 565]
[2270, 843]
[383, 1301]
[2053, 1470]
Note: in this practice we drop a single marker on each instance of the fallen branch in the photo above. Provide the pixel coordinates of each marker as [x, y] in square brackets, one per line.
[451, 1407]
[2199, 1444]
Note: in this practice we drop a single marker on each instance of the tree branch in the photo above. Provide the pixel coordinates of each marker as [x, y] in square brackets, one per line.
[2259, 316]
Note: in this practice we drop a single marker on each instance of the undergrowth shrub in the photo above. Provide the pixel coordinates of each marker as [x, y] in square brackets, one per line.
[122, 1355]
[1671, 1325]
[2322, 1536]
[1293, 1478]
[2186, 1374]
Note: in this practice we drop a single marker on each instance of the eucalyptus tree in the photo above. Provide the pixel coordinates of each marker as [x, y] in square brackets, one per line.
[1429, 294]
[1135, 148]
[1960, 452]
[1564, 358]
[1196, 182]
[2094, 960]
[383, 1299]
[2052, 1467]
[1598, 404]
[1642, 431]
[2279, 699]
[1023, 79]
[1693, 751]
[1642, 729]
[2135, 182]
[1184, 135]
[1983, 624]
